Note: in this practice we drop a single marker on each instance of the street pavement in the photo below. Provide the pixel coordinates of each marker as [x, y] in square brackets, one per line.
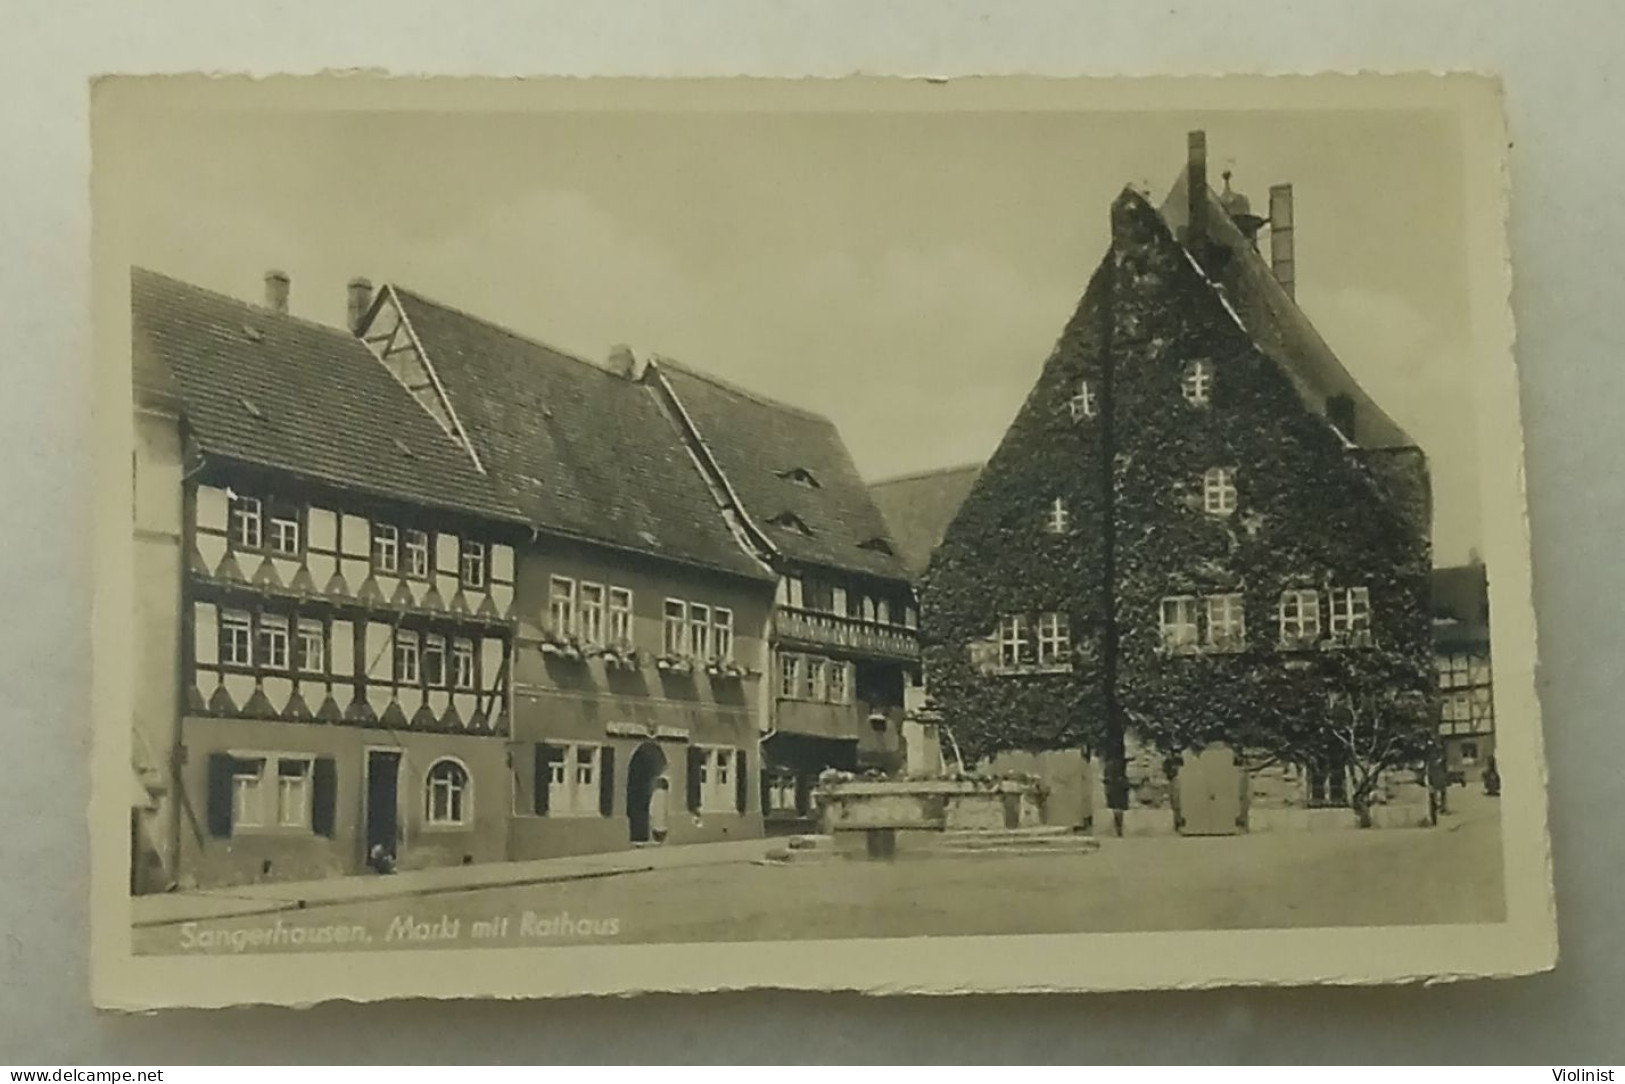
[1449, 874]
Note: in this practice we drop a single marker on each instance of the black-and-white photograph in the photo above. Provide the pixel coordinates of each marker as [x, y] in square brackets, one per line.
[585, 527]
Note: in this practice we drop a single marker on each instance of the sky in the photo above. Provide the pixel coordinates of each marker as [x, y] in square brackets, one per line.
[905, 274]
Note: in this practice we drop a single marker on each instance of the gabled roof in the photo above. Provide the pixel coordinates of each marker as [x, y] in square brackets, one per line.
[919, 507]
[269, 389]
[1278, 326]
[766, 451]
[582, 451]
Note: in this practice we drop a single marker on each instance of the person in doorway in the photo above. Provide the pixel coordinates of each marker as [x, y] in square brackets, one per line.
[1492, 779]
[659, 802]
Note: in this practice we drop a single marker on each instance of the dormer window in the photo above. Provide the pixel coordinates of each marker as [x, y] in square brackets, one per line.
[877, 544]
[1059, 518]
[1198, 382]
[789, 521]
[801, 476]
[1219, 491]
[1082, 403]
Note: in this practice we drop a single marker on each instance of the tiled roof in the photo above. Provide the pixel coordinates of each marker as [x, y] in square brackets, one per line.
[581, 450]
[273, 390]
[1279, 327]
[919, 507]
[786, 465]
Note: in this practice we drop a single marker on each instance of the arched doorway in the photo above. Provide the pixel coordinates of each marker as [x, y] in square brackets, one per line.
[648, 763]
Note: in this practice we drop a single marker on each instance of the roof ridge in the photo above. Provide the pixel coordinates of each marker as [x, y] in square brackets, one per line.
[530, 340]
[739, 389]
[929, 472]
[251, 308]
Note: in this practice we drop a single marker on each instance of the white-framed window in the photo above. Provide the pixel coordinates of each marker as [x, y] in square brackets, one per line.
[472, 564]
[1059, 517]
[717, 768]
[790, 676]
[311, 648]
[1015, 639]
[561, 605]
[248, 793]
[1350, 618]
[236, 638]
[620, 615]
[462, 664]
[868, 608]
[911, 617]
[883, 611]
[417, 554]
[586, 770]
[386, 549]
[283, 535]
[722, 633]
[1198, 382]
[591, 598]
[1177, 622]
[1219, 491]
[1054, 638]
[293, 792]
[1300, 617]
[1226, 622]
[574, 773]
[840, 681]
[558, 783]
[674, 642]
[812, 675]
[699, 630]
[273, 642]
[1082, 402]
[793, 591]
[837, 600]
[407, 671]
[245, 518]
[448, 798]
[433, 662]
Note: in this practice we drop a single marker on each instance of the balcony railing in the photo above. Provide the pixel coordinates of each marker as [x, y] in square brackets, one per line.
[810, 628]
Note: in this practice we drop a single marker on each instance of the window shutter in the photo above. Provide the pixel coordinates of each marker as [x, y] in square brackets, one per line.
[545, 755]
[324, 797]
[221, 767]
[606, 781]
[741, 784]
[696, 759]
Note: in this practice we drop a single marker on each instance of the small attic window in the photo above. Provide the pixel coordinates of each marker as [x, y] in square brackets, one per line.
[878, 545]
[253, 334]
[801, 476]
[252, 408]
[789, 521]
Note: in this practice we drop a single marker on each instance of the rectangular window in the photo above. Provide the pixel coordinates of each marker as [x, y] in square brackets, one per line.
[273, 642]
[699, 630]
[1054, 638]
[586, 778]
[417, 554]
[406, 657]
[248, 792]
[246, 521]
[722, 633]
[561, 606]
[472, 566]
[883, 611]
[911, 617]
[433, 662]
[1082, 403]
[386, 549]
[1226, 625]
[558, 783]
[293, 792]
[312, 646]
[462, 664]
[792, 586]
[236, 638]
[717, 768]
[1351, 614]
[1300, 618]
[1015, 640]
[790, 676]
[1059, 517]
[675, 640]
[1219, 491]
[812, 685]
[1177, 623]
[620, 616]
[283, 536]
[592, 612]
[837, 600]
[840, 682]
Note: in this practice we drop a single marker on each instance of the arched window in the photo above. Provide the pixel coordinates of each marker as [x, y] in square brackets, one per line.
[447, 797]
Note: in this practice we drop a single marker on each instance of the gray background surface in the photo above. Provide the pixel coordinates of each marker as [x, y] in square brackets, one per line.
[1568, 232]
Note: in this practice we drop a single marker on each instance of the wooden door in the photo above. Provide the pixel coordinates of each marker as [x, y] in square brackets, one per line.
[1209, 784]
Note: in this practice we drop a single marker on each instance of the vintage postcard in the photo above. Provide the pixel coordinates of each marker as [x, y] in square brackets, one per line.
[589, 536]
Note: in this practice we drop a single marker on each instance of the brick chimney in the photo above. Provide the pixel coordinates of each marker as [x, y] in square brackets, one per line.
[358, 295]
[1282, 261]
[276, 291]
[1196, 192]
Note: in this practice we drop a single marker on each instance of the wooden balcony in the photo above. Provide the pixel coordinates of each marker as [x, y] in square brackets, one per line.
[794, 627]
